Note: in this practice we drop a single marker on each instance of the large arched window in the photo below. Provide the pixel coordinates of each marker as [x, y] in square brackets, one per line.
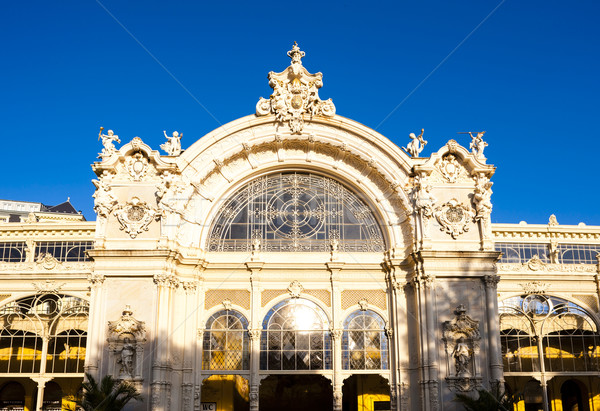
[364, 343]
[295, 337]
[225, 345]
[64, 319]
[295, 212]
[539, 330]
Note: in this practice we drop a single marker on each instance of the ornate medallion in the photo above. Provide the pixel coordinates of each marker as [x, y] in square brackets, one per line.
[454, 218]
[137, 166]
[135, 216]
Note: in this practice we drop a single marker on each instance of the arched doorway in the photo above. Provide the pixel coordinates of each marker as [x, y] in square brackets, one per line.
[296, 393]
[52, 397]
[366, 392]
[225, 392]
[12, 397]
[571, 395]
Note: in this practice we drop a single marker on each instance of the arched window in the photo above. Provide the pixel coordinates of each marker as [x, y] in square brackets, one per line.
[539, 330]
[364, 343]
[225, 345]
[295, 212]
[295, 337]
[64, 319]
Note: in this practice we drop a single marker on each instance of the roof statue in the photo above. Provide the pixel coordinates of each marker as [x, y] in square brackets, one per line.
[295, 94]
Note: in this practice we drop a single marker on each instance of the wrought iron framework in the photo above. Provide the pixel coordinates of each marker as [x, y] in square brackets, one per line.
[12, 252]
[539, 330]
[364, 343]
[69, 251]
[295, 212]
[24, 323]
[295, 337]
[225, 345]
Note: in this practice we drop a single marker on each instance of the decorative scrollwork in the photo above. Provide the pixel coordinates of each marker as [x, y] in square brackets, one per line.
[454, 218]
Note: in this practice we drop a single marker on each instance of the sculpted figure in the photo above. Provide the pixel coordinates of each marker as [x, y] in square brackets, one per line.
[173, 145]
[108, 142]
[416, 145]
[477, 143]
[104, 200]
[126, 360]
[462, 356]
[482, 196]
[424, 199]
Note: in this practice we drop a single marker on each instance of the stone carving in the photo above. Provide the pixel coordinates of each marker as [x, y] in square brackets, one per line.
[137, 166]
[108, 143]
[254, 334]
[552, 221]
[416, 145]
[31, 218]
[166, 280]
[47, 261]
[295, 289]
[461, 339]
[125, 343]
[363, 304]
[454, 218]
[295, 93]
[135, 216]
[450, 168]
[535, 287]
[541, 266]
[477, 144]
[482, 196]
[424, 200]
[173, 145]
[104, 200]
[48, 286]
[227, 305]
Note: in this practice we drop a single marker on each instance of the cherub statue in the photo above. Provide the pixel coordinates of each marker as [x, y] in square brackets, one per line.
[477, 143]
[416, 145]
[173, 145]
[483, 196]
[108, 142]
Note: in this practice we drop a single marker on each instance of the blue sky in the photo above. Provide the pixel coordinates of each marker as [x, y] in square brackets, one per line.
[528, 75]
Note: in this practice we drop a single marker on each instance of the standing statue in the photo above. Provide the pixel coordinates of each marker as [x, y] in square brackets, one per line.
[126, 360]
[416, 145]
[477, 143]
[108, 142]
[482, 196]
[462, 357]
[173, 145]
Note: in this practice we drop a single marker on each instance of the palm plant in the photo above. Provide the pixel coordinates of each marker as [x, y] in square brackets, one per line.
[487, 401]
[110, 395]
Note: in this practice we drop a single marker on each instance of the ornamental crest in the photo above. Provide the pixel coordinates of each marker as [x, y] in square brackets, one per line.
[295, 289]
[295, 93]
[454, 218]
[137, 166]
[127, 324]
[135, 217]
[450, 168]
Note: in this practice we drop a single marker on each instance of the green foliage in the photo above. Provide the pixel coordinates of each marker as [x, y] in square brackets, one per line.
[487, 401]
[110, 395]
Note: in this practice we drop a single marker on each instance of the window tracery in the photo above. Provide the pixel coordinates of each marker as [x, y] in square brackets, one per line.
[295, 337]
[52, 323]
[538, 330]
[225, 345]
[295, 212]
[364, 343]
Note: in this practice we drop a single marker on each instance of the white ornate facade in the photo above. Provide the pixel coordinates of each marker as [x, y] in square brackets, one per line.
[295, 258]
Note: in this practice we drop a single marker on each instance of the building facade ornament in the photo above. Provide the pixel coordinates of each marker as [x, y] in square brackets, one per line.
[552, 221]
[48, 262]
[135, 216]
[108, 145]
[48, 287]
[295, 289]
[173, 145]
[295, 93]
[126, 339]
[544, 267]
[422, 196]
[477, 144]
[461, 339]
[482, 198]
[416, 145]
[454, 218]
[491, 281]
[95, 279]
[137, 166]
[227, 305]
[104, 200]
[166, 280]
[450, 168]
[535, 287]
[363, 303]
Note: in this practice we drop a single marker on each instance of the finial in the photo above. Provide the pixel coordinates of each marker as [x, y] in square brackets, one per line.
[296, 54]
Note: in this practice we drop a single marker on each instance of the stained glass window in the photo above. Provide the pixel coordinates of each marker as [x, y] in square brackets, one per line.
[295, 337]
[568, 335]
[364, 343]
[295, 212]
[225, 345]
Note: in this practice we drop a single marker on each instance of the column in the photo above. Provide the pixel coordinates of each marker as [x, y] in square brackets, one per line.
[41, 384]
[336, 331]
[95, 328]
[495, 350]
[255, 330]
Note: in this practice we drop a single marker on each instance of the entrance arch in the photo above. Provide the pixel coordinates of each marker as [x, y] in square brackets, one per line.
[295, 393]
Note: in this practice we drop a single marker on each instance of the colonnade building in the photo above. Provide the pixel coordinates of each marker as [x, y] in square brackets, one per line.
[297, 259]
